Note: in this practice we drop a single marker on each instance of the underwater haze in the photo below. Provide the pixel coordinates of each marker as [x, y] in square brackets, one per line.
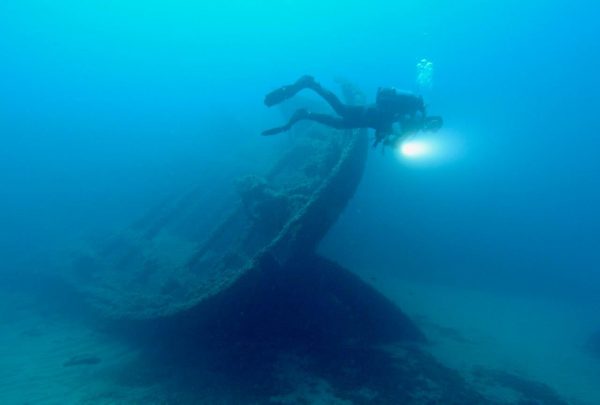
[486, 233]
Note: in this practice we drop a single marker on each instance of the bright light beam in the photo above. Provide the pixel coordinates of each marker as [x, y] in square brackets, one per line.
[430, 149]
[415, 149]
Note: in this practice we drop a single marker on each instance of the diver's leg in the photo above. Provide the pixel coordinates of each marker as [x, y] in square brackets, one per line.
[297, 116]
[306, 82]
[302, 114]
[329, 120]
[331, 99]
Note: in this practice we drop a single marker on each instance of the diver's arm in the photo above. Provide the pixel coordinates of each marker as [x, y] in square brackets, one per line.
[423, 111]
[398, 129]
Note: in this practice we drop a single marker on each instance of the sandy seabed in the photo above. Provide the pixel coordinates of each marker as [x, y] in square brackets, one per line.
[51, 354]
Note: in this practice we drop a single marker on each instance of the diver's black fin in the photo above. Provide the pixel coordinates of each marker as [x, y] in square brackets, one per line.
[285, 92]
[279, 95]
[275, 131]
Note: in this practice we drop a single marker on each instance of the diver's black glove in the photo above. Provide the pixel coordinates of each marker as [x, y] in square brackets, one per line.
[379, 136]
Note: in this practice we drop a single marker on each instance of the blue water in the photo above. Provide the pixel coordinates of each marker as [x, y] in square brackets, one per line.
[109, 107]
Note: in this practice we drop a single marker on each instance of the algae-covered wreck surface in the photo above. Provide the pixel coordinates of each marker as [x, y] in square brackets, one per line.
[182, 254]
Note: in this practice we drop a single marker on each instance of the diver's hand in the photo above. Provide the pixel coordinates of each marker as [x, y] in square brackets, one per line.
[433, 123]
[379, 136]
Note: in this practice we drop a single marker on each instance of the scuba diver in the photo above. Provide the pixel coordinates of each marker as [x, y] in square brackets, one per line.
[391, 106]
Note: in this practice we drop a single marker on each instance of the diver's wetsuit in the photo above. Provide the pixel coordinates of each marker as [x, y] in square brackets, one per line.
[391, 106]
